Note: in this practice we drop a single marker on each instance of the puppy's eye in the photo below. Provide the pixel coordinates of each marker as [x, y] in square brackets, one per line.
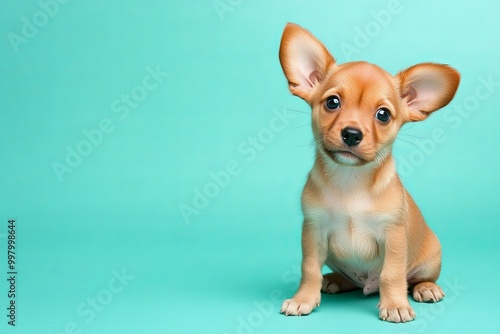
[332, 102]
[383, 115]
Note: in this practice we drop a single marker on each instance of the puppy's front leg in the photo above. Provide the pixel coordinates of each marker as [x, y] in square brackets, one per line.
[314, 252]
[394, 305]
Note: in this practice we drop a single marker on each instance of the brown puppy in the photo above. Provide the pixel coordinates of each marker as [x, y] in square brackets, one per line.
[358, 218]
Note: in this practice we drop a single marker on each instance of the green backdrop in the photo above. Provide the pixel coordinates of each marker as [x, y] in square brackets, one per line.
[153, 160]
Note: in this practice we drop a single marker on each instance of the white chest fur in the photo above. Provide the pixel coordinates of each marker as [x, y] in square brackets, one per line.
[350, 222]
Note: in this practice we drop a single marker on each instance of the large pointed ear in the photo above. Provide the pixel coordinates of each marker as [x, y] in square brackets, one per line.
[305, 61]
[427, 87]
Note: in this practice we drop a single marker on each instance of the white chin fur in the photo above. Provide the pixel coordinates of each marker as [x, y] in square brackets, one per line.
[346, 159]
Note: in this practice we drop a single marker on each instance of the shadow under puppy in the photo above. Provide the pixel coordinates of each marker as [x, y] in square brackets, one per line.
[358, 218]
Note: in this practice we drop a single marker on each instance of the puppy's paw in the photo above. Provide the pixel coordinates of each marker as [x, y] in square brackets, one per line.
[335, 283]
[397, 313]
[428, 292]
[299, 306]
[330, 285]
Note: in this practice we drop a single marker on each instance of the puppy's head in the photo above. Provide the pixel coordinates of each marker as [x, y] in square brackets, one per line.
[358, 108]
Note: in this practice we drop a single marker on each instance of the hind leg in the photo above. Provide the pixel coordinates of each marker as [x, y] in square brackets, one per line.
[424, 284]
[427, 292]
[335, 283]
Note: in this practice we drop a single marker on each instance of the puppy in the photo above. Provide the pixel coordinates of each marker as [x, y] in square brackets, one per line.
[358, 218]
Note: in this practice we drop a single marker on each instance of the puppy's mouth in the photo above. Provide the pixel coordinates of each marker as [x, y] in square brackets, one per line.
[344, 157]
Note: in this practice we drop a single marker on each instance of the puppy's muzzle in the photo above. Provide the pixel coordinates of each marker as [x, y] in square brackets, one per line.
[351, 136]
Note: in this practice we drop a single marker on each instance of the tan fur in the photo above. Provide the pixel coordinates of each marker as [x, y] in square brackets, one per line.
[358, 217]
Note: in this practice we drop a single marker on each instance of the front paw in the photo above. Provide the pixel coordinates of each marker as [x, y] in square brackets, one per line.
[299, 305]
[394, 313]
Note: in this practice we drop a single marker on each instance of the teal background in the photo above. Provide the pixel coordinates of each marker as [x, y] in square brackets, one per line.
[119, 208]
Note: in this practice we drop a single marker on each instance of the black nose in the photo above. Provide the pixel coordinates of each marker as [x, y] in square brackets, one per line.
[351, 136]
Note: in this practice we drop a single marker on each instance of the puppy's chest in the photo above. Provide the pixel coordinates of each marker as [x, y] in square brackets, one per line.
[348, 213]
[352, 223]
